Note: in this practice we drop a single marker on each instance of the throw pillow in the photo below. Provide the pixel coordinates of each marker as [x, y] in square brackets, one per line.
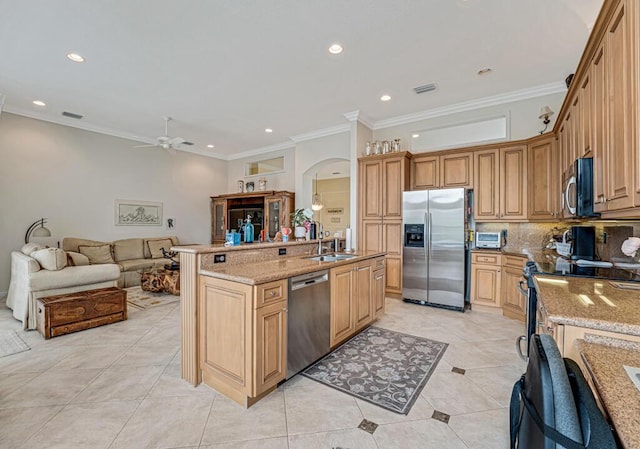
[76, 259]
[28, 248]
[50, 258]
[156, 245]
[97, 254]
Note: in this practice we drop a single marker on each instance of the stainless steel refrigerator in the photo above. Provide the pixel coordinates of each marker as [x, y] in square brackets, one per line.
[433, 260]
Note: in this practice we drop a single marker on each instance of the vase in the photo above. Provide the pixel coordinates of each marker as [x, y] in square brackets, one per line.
[300, 232]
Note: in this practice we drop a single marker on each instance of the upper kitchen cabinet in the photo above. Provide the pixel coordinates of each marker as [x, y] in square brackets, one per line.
[442, 170]
[543, 180]
[500, 183]
[382, 179]
[599, 117]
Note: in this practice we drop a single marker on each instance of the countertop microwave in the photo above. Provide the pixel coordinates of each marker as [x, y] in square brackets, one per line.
[488, 240]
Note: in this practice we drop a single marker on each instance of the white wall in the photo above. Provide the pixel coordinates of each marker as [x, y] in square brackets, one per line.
[72, 177]
[523, 120]
[276, 181]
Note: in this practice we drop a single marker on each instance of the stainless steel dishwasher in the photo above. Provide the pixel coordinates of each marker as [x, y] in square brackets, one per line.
[308, 329]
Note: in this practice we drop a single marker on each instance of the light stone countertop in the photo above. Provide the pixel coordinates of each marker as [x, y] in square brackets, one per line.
[619, 395]
[590, 303]
[277, 269]
[219, 247]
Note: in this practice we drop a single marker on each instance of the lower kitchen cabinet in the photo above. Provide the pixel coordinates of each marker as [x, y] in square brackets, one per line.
[485, 278]
[357, 297]
[242, 337]
[513, 302]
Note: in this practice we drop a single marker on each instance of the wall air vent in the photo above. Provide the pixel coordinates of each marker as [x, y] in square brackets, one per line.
[72, 115]
[425, 88]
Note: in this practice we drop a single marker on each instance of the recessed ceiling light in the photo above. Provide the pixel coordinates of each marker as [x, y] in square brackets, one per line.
[39, 103]
[210, 146]
[415, 136]
[75, 57]
[335, 49]
[385, 98]
[484, 71]
[268, 130]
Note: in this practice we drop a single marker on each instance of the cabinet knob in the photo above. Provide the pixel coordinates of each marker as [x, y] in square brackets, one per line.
[272, 293]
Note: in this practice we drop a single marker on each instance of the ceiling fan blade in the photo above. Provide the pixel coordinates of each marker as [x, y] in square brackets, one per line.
[171, 150]
[145, 146]
[177, 141]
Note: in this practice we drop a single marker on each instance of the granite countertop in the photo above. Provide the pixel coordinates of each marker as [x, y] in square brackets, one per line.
[220, 247]
[619, 395]
[589, 302]
[274, 270]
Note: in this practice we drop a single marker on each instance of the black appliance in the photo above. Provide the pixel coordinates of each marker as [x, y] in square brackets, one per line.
[577, 194]
[414, 235]
[531, 307]
[584, 242]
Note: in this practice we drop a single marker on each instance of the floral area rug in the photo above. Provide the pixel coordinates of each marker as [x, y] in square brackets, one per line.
[11, 343]
[386, 368]
[141, 299]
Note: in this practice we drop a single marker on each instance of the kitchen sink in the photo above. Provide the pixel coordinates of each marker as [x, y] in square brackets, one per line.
[330, 257]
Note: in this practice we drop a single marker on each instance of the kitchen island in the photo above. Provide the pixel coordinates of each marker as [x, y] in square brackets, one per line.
[234, 309]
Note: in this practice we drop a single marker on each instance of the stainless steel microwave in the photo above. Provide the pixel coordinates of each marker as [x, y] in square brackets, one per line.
[488, 240]
[577, 192]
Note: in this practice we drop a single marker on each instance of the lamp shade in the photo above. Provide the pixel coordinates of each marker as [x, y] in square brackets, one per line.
[545, 112]
[36, 231]
[41, 232]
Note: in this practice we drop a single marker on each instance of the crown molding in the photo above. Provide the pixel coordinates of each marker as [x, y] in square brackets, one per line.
[321, 133]
[509, 97]
[360, 117]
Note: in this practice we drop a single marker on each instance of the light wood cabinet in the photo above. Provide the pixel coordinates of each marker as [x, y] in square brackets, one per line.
[357, 297]
[544, 183]
[598, 127]
[513, 302]
[486, 278]
[242, 337]
[501, 184]
[382, 179]
[445, 170]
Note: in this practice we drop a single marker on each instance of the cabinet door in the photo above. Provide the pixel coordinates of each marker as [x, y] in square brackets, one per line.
[273, 215]
[543, 182]
[393, 175]
[371, 238]
[371, 189]
[225, 316]
[599, 128]
[425, 173]
[218, 220]
[270, 343]
[362, 297]
[585, 147]
[394, 275]
[619, 74]
[513, 183]
[486, 195]
[379, 303]
[485, 285]
[513, 302]
[342, 310]
[456, 170]
[392, 238]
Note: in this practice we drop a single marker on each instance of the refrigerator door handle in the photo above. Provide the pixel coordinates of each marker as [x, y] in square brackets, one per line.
[430, 236]
[427, 231]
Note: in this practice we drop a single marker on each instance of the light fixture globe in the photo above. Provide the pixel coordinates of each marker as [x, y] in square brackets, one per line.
[316, 203]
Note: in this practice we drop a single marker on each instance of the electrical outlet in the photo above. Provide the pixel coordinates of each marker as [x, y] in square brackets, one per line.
[219, 258]
[282, 251]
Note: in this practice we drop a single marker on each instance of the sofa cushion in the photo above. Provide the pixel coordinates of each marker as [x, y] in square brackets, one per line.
[97, 254]
[155, 247]
[72, 243]
[50, 258]
[128, 249]
[73, 276]
[76, 259]
[136, 264]
[147, 253]
[28, 248]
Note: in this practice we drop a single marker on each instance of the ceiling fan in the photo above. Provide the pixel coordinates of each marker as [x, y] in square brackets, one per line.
[171, 144]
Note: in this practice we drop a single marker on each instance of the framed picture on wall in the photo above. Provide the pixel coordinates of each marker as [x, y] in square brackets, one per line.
[138, 213]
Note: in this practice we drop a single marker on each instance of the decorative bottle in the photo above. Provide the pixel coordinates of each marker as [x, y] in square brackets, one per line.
[248, 231]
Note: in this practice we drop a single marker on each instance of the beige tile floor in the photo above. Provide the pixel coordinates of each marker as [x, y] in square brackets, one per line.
[119, 386]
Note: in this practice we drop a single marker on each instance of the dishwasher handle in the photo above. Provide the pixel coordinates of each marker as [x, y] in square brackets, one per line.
[308, 280]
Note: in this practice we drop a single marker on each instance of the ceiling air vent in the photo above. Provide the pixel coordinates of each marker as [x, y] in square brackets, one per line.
[72, 115]
[425, 88]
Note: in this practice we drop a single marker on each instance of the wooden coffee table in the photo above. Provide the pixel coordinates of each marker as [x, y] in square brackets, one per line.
[161, 280]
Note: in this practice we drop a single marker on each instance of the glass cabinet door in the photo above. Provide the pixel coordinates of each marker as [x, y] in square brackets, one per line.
[273, 216]
[219, 209]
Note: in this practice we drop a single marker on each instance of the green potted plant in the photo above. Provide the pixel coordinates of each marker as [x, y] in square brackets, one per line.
[301, 221]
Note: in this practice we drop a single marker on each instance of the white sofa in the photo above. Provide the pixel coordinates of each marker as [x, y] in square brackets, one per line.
[30, 281]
